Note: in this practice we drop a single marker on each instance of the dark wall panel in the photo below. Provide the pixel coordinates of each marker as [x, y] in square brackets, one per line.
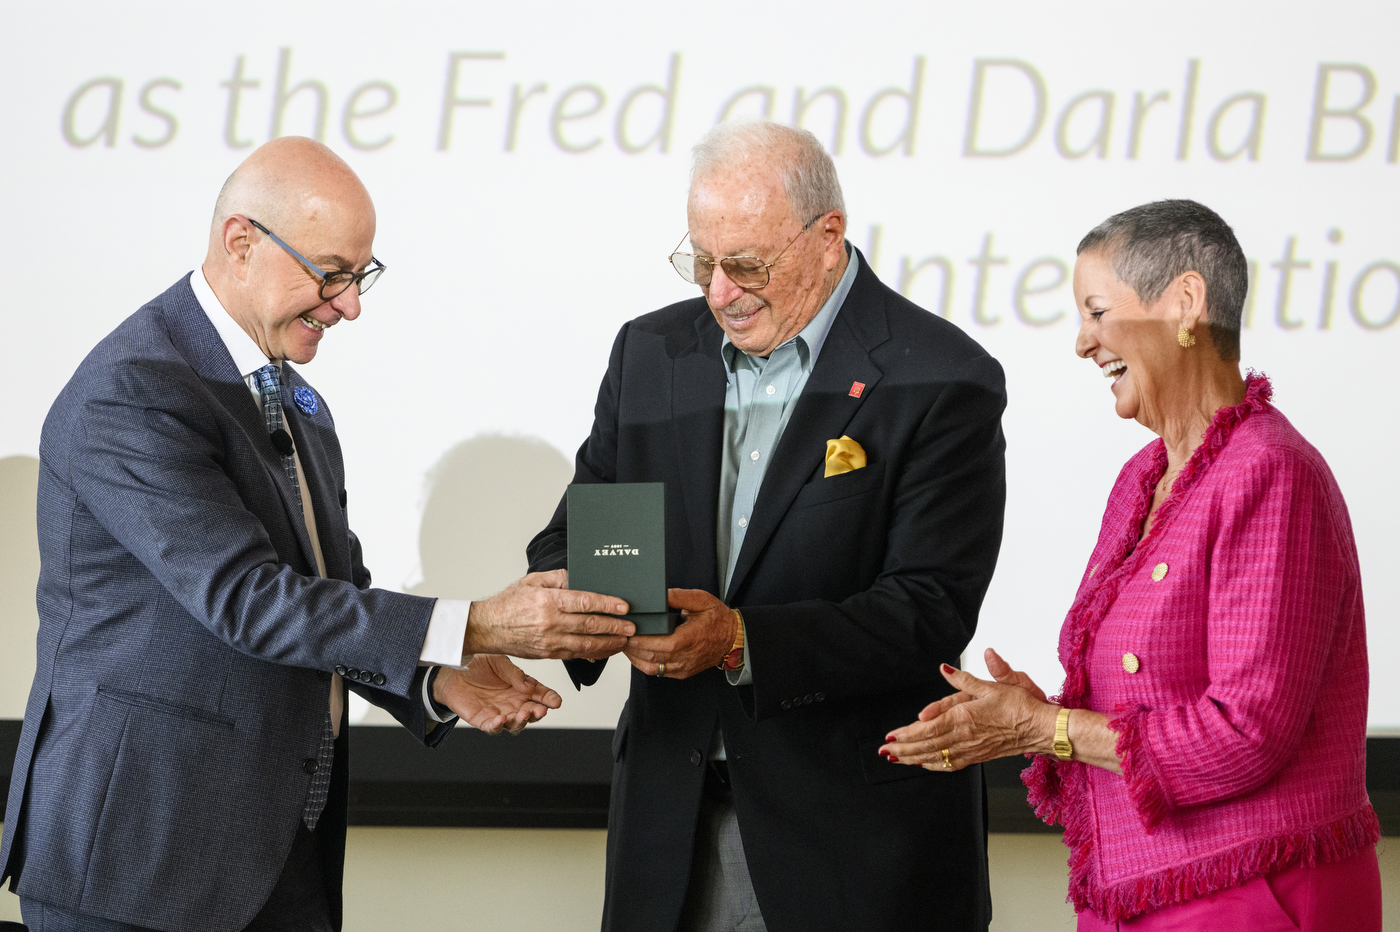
[559, 778]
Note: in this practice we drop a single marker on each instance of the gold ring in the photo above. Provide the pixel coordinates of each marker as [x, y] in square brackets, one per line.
[661, 669]
[947, 759]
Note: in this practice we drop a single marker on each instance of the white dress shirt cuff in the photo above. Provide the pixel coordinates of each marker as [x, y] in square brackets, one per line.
[428, 702]
[447, 631]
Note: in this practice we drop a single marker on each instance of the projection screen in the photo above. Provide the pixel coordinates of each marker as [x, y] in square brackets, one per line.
[529, 164]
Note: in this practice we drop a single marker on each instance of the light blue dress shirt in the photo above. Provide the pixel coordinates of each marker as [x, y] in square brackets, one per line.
[759, 398]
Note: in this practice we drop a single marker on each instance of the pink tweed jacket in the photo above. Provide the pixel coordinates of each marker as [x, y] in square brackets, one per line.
[1229, 650]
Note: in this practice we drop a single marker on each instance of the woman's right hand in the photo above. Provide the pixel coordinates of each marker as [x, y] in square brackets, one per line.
[984, 720]
[1001, 672]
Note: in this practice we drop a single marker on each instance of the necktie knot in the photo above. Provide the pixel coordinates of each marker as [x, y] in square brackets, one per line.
[269, 379]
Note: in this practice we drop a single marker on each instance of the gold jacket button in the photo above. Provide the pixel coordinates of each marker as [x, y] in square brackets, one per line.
[1130, 663]
[1159, 572]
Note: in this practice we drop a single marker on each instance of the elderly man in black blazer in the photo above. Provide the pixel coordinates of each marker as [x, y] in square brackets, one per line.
[835, 482]
[203, 603]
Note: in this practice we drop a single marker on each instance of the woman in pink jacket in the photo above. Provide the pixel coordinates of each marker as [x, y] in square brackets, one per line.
[1207, 756]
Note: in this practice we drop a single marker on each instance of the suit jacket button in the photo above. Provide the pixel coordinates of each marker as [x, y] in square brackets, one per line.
[352, 673]
[807, 700]
[379, 679]
[695, 758]
[786, 703]
[366, 676]
[821, 696]
[309, 765]
[341, 669]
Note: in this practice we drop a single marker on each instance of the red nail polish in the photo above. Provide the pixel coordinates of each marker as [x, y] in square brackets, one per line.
[890, 739]
[946, 669]
[893, 759]
[884, 753]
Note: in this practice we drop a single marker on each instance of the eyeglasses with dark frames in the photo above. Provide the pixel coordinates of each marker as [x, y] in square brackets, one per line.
[333, 284]
[744, 271]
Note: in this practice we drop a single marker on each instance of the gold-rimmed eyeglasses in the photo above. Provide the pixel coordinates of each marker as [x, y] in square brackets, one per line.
[744, 271]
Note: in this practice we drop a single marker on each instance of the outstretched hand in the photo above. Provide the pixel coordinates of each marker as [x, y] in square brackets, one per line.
[701, 642]
[984, 720]
[540, 617]
[493, 695]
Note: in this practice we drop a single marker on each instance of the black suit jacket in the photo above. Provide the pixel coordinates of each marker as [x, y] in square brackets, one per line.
[854, 588]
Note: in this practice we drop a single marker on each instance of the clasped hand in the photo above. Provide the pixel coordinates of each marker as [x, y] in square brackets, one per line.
[700, 643]
[982, 721]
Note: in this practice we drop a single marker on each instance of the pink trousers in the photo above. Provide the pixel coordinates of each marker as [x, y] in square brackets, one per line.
[1343, 895]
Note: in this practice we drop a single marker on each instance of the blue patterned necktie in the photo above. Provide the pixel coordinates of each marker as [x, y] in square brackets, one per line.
[268, 380]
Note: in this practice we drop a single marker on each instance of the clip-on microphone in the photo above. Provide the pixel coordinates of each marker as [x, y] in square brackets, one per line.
[282, 441]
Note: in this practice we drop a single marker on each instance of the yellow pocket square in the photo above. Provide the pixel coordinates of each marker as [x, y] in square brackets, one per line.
[843, 455]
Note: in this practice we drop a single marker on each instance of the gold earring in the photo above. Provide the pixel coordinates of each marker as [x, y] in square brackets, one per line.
[1185, 337]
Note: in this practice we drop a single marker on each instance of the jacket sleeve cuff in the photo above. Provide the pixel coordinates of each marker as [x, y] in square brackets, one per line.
[585, 672]
[1140, 771]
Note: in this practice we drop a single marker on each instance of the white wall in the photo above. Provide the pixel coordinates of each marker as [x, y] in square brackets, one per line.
[552, 881]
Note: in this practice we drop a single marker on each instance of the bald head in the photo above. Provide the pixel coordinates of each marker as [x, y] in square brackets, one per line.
[306, 195]
[291, 181]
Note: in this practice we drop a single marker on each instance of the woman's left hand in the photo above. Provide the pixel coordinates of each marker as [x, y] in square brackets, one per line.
[984, 720]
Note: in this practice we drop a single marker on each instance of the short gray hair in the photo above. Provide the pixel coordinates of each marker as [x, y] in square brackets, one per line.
[1151, 245]
[807, 172]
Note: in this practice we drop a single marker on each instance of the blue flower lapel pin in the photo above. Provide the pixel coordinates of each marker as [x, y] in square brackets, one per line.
[305, 399]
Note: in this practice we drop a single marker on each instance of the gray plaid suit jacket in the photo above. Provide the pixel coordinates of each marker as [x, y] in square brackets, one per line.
[185, 641]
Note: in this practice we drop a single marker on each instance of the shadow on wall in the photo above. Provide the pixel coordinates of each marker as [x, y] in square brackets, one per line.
[486, 499]
[19, 574]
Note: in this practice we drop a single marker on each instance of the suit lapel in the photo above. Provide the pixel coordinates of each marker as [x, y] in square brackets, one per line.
[697, 418]
[273, 464]
[823, 410]
[325, 504]
[204, 349]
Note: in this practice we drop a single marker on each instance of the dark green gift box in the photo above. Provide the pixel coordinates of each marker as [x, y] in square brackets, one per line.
[617, 546]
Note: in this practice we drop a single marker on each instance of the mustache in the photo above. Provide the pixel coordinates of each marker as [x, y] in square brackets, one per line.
[741, 306]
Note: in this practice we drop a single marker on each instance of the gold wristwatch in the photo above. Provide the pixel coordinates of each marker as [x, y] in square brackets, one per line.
[734, 660]
[1063, 749]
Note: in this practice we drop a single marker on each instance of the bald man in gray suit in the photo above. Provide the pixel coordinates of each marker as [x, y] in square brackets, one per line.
[203, 603]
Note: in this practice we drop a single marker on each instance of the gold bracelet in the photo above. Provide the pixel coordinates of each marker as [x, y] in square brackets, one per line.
[1063, 749]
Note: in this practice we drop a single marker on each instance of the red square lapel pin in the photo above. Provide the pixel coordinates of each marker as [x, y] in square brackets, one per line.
[857, 388]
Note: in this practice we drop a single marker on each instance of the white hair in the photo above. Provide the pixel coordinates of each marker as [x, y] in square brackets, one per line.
[806, 170]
